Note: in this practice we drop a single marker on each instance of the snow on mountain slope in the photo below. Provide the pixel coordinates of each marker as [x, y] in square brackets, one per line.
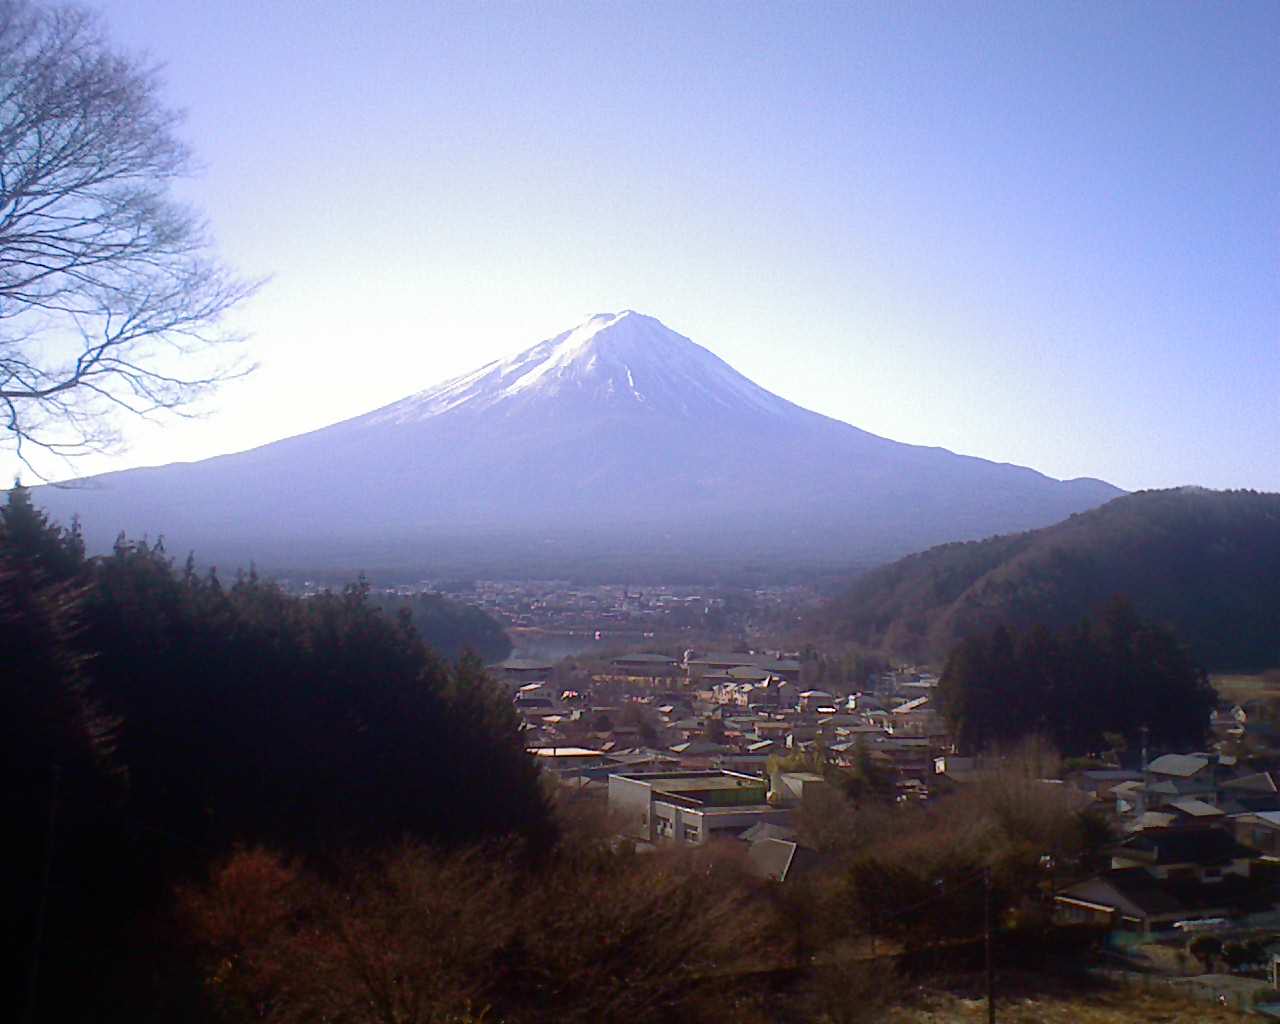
[616, 435]
[612, 357]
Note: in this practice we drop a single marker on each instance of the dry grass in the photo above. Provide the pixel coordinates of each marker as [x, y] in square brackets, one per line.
[1103, 1007]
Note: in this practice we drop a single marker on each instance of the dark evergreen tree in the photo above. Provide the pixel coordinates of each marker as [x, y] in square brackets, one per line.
[448, 627]
[963, 692]
[27, 536]
[1112, 676]
[241, 715]
[59, 783]
[311, 723]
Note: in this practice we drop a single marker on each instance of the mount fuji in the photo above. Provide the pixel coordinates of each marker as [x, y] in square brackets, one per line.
[616, 443]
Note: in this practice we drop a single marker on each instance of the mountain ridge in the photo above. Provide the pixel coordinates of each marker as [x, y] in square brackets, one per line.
[1205, 562]
[615, 435]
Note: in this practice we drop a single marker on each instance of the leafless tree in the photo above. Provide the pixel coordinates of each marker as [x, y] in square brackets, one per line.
[414, 936]
[110, 297]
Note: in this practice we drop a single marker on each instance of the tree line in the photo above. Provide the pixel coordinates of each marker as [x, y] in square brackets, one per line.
[1086, 687]
[1206, 562]
[450, 628]
[154, 717]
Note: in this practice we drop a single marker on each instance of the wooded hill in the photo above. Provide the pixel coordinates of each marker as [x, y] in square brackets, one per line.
[1206, 563]
[450, 628]
[153, 719]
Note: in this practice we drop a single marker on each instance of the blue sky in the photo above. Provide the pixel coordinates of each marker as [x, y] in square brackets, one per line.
[1042, 233]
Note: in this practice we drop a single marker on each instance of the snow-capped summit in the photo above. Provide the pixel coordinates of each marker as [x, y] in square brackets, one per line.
[624, 357]
[618, 439]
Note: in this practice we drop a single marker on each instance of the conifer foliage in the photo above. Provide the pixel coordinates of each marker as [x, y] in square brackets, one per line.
[1112, 674]
[155, 718]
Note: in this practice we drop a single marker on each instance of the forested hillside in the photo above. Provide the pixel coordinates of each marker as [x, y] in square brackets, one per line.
[1080, 686]
[1205, 562]
[154, 719]
[450, 628]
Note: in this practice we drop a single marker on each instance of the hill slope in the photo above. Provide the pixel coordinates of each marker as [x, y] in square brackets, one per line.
[1205, 562]
[619, 435]
[448, 627]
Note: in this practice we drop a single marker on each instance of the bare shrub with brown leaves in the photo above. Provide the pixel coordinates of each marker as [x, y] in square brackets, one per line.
[407, 939]
[420, 938]
[917, 872]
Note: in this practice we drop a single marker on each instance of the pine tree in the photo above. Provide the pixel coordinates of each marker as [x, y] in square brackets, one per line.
[27, 535]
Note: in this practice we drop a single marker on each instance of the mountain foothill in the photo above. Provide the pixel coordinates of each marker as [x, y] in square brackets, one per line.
[1206, 563]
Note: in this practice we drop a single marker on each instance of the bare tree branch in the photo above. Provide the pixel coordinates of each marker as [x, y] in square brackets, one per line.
[110, 297]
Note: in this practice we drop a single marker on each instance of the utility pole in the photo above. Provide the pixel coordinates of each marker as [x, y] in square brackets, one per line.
[1146, 778]
[986, 936]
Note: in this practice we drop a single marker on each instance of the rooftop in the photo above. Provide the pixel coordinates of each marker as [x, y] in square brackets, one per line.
[1203, 846]
[703, 790]
[644, 659]
[724, 659]
[565, 752]
[767, 830]
[1196, 808]
[525, 665]
[1261, 782]
[1133, 889]
[1181, 765]
[771, 858]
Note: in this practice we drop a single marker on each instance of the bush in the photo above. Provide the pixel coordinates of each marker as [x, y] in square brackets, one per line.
[1205, 948]
[421, 936]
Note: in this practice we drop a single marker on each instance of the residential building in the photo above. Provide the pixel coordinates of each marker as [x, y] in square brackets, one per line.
[1162, 876]
[690, 806]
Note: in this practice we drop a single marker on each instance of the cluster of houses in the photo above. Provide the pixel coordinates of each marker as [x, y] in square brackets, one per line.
[1200, 846]
[1195, 829]
[727, 711]
[680, 749]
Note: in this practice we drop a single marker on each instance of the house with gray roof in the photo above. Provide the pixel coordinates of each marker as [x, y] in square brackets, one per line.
[767, 830]
[1161, 876]
[781, 860]
[1178, 766]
